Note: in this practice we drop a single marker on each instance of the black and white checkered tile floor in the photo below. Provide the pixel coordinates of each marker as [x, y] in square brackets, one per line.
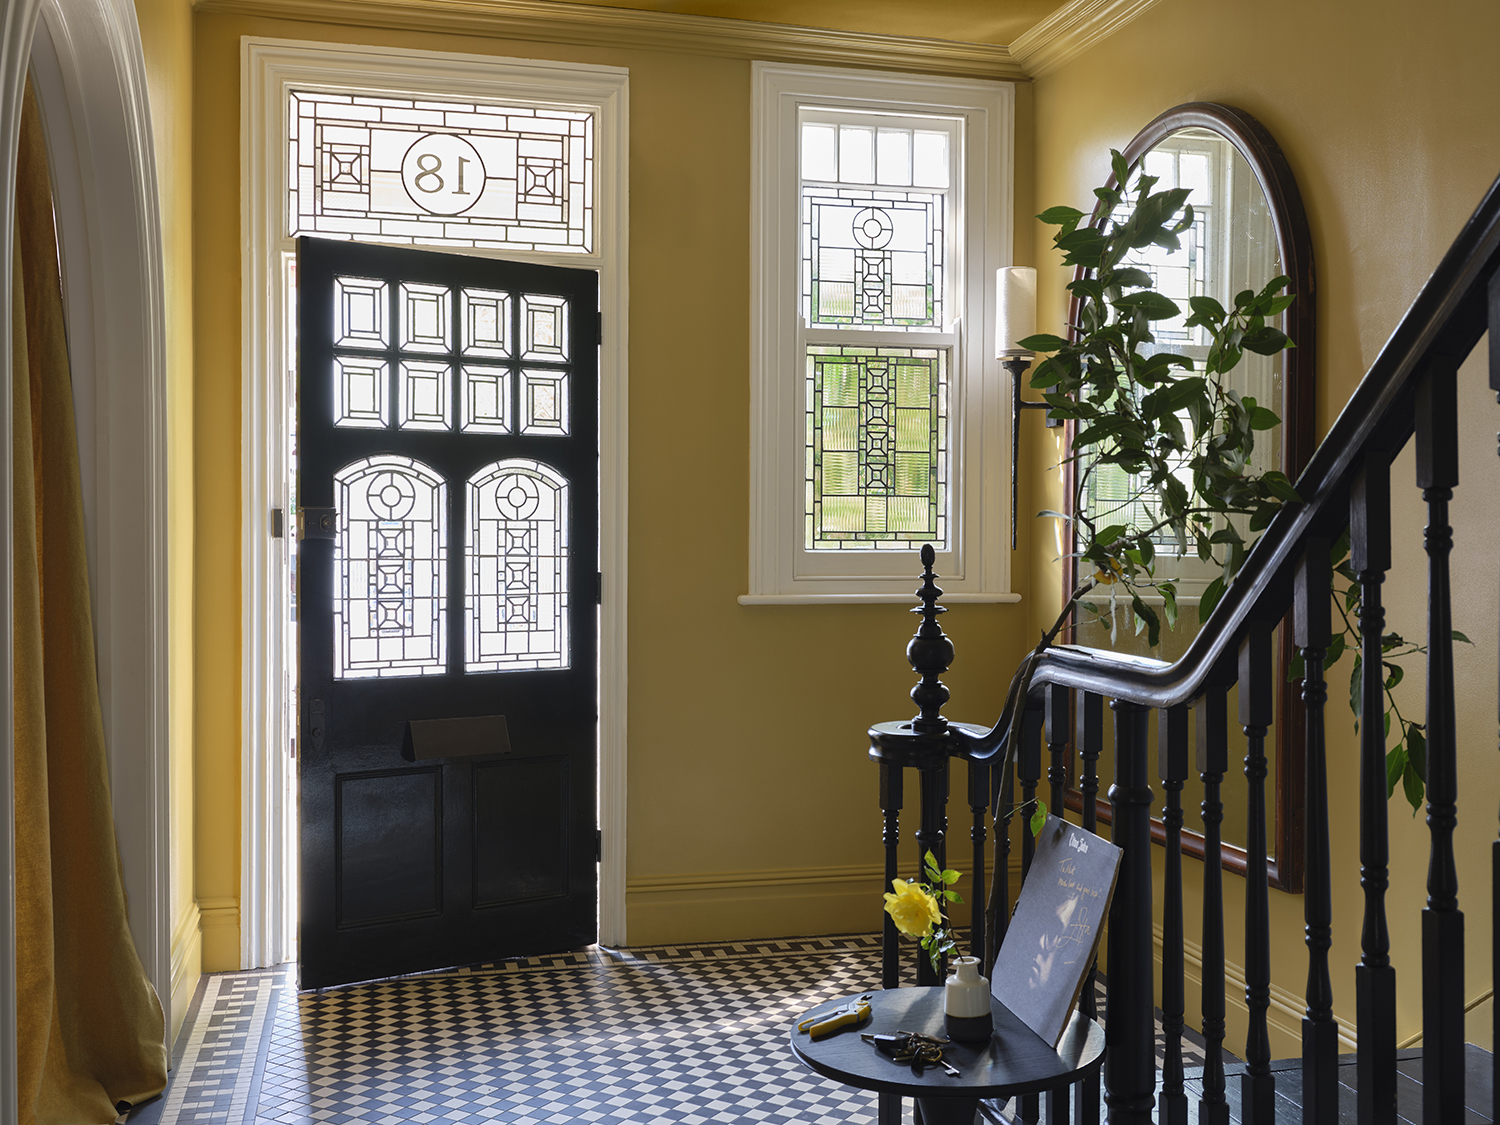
[682, 1035]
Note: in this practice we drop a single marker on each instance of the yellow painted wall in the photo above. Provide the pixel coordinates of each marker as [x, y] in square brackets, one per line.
[752, 805]
[1389, 129]
[166, 36]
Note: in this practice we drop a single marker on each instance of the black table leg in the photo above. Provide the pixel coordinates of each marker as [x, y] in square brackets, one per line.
[948, 1111]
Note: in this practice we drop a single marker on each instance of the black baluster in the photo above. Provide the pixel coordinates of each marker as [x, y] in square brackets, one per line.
[1211, 721]
[1090, 744]
[1172, 767]
[1374, 978]
[1320, 1032]
[930, 839]
[1002, 782]
[1257, 1084]
[979, 802]
[1056, 708]
[1058, 705]
[1130, 1031]
[1442, 921]
[1029, 770]
[1494, 319]
[930, 653]
[891, 784]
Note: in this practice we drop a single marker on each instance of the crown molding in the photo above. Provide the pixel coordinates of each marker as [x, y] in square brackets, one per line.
[595, 26]
[1071, 30]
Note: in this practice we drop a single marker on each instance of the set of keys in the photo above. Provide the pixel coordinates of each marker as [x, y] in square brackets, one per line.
[911, 1047]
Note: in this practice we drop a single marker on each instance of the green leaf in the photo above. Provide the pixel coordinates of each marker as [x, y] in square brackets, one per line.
[1457, 636]
[1415, 790]
[1119, 166]
[1152, 304]
[1137, 278]
[1208, 307]
[1264, 340]
[1060, 216]
[1210, 598]
[1395, 767]
[1416, 753]
[951, 896]
[950, 877]
[1354, 692]
[1280, 487]
[1397, 672]
[1043, 342]
[1039, 817]
[1335, 650]
[1263, 419]
[1296, 668]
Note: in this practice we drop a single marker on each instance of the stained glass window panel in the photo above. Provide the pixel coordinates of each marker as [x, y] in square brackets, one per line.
[425, 396]
[517, 558]
[390, 570]
[486, 323]
[441, 172]
[361, 310]
[877, 448]
[544, 327]
[486, 400]
[872, 260]
[426, 318]
[361, 392]
[544, 402]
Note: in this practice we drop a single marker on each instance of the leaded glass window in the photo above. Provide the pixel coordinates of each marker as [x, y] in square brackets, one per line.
[390, 570]
[875, 259]
[517, 558]
[877, 465]
[440, 172]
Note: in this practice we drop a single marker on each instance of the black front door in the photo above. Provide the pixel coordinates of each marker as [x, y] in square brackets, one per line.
[448, 483]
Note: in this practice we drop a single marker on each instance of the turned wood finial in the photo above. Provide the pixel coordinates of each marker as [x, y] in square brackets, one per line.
[929, 652]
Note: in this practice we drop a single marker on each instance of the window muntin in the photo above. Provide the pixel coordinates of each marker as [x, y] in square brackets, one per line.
[441, 172]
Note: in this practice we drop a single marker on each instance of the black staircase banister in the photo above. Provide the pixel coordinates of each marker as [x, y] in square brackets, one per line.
[1442, 325]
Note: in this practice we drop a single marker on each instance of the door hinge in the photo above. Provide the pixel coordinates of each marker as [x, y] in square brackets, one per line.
[598, 845]
[278, 524]
[317, 523]
[599, 588]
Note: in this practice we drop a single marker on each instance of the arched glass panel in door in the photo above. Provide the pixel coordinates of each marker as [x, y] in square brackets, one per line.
[390, 570]
[517, 560]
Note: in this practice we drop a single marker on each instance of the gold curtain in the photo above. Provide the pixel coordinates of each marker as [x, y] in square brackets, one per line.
[90, 1024]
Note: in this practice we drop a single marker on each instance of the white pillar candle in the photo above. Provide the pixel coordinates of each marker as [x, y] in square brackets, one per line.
[1015, 309]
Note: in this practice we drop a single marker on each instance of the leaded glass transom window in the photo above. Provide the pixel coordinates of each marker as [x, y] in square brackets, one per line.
[390, 570]
[876, 253]
[438, 172]
[878, 431]
[517, 558]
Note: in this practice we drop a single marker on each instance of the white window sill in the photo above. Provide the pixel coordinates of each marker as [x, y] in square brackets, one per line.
[870, 599]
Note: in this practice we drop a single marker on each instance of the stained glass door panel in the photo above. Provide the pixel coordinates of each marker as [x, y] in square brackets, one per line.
[447, 410]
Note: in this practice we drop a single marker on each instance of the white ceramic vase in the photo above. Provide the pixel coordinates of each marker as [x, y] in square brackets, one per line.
[966, 1001]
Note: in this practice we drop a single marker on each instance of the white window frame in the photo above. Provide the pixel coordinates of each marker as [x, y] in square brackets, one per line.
[269, 68]
[976, 565]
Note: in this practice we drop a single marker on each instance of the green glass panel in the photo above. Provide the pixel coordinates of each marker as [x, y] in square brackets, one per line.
[840, 474]
[914, 430]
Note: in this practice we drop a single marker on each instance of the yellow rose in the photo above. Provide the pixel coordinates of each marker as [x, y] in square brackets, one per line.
[914, 910]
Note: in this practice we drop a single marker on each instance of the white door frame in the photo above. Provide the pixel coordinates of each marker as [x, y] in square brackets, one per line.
[268, 68]
[91, 85]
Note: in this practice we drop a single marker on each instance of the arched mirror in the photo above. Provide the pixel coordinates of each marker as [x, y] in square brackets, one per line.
[1249, 227]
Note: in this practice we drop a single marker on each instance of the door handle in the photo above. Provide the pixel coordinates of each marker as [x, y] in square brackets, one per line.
[316, 723]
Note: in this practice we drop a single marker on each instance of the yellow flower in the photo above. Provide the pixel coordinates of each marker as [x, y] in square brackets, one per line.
[914, 910]
[1108, 573]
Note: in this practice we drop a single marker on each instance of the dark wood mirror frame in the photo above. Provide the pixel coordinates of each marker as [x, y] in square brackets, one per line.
[1298, 404]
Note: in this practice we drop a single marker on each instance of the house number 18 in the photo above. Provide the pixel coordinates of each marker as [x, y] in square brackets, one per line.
[443, 174]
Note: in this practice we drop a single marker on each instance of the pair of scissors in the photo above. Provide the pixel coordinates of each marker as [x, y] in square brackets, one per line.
[852, 1014]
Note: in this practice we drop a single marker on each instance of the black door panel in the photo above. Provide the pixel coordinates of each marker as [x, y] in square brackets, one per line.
[419, 852]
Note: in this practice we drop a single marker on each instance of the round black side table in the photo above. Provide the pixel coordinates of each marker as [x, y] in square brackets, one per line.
[1014, 1061]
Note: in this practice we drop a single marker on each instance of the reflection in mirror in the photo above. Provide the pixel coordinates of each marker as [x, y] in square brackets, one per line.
[1248, 228]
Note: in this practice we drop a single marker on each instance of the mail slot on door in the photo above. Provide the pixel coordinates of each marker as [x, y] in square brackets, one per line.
[480, 736]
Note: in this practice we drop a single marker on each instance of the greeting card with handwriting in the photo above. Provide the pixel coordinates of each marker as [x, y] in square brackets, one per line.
[1054, 932]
